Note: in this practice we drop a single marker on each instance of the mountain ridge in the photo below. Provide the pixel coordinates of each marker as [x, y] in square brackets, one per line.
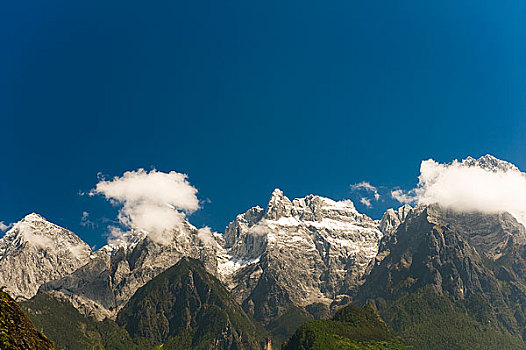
[300, 259]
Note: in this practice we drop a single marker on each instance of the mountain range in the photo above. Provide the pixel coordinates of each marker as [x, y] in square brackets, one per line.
[421, 269]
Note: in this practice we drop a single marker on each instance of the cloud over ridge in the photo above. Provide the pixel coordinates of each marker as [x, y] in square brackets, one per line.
[486, 185]
[153, 201]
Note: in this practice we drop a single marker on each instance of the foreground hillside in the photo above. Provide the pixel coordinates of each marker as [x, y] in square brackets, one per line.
[55, 315]
[351, 328]
[16, 330]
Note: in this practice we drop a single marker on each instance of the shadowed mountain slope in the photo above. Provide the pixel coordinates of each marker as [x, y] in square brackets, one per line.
[185, 307]
[447, 280]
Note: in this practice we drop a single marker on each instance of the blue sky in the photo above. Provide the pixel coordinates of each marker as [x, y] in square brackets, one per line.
[244, 97]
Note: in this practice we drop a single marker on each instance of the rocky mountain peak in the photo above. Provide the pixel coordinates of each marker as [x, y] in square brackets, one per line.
[32, 217]
[35, 230]
[278, 206]
[393, 218]
[35, 251]
[308, 251]
[311, 207]
[489, 163]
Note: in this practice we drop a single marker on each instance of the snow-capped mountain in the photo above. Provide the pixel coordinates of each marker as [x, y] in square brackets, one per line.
[490, 163]
[313, 249]
[116, 271]
[309, 252]
[35, 251]
[299, 258]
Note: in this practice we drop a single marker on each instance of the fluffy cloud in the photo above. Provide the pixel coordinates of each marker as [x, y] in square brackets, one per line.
[366, 202]
[366, 186]
[153, 201]
[206, 235]
[470, 186]
[27, 232]
[3, 226]
[402, 196]
[85, 220]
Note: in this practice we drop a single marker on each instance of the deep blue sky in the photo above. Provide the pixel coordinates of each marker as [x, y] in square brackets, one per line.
[246, 96]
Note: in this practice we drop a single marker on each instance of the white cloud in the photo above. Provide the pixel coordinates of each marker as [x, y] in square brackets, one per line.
[39, 240]
[367, 187]
[408, 197]
[206, 235]
[85, 220]
[466, 187]
[3, 226]
[45, 241]
[366, 202]
[153, 201]
[259, 229]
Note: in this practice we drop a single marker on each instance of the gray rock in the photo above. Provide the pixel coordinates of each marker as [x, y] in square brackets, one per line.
[307, 252]
[392, 219]
[464, 256]
[115, 272]
[35, 251]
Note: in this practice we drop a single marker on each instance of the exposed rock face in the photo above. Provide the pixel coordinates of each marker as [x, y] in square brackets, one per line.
[308, 252]
[490, 234]
[423, 252]
[490, 163]
[393, 218]
[36, 251]
[459, 255]
[115, 272]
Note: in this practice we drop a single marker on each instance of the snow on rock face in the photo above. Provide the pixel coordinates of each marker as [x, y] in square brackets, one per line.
[115, 272]
[314, 248]
[392, 219]
[35, 251]
[490, 163]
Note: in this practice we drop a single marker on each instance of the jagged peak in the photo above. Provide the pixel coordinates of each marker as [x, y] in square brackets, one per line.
[277, 196]
[404, 210]
[33, 217]
[490, 163]
[278, 206]
[18, 228]
[277, 193]
[37, 231]
[393, 218]
[281, 206]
